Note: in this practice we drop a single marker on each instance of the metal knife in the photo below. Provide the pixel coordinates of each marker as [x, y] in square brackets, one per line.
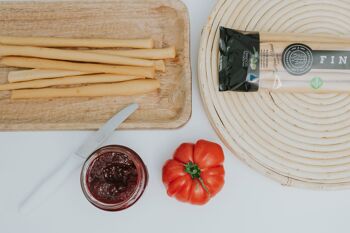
[58, 176]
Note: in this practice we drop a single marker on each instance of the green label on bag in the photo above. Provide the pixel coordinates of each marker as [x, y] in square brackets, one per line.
[316, 83]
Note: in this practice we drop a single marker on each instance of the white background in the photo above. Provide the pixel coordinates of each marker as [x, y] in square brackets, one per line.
[248, 203]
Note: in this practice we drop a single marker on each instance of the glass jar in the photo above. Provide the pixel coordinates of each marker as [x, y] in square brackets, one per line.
[129, 197]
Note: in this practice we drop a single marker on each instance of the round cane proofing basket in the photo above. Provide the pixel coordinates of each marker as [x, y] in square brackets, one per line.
[297, 139]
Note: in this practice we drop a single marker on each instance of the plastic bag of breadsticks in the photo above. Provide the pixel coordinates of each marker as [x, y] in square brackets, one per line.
[252, 61]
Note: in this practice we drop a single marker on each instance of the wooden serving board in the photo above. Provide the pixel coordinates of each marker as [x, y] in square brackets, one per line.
[166, 21]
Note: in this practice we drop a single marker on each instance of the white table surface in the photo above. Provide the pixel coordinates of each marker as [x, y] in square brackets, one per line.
[248, 203]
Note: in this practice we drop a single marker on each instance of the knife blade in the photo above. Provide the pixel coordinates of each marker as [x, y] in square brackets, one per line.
[51, 183]
[93, 142]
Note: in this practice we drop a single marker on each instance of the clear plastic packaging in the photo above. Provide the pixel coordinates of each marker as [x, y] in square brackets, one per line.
[252, 61]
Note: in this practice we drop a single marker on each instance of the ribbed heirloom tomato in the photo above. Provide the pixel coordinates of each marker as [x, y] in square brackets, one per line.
[196, 172]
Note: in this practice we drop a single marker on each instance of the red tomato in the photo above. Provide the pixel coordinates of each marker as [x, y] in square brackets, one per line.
[196, 172]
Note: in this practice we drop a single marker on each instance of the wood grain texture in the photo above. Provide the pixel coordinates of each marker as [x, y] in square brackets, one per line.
[166, 21]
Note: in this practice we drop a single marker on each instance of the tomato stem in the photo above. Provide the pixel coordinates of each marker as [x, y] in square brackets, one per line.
[195, 173]
[193, 170]
[203, 185]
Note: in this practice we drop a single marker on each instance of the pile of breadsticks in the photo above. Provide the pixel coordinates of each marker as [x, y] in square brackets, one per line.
[67, 67]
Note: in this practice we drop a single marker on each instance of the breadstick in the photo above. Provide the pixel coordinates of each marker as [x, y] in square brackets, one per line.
[285, 76]
[39, 63]
[72, 55]
[159, 65]
[304, 87]
[70, 80]
[135, 87]
[272, 60]
[74, 42]
[34, 74]
[292, 37]
[154, 54]
[279, 47]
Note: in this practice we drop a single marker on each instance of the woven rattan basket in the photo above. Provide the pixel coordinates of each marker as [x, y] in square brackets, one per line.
[297, 139]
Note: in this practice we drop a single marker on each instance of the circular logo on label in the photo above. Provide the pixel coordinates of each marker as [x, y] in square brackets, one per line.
[297, 59]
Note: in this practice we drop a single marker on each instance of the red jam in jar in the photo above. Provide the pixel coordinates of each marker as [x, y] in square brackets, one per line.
[113, 178]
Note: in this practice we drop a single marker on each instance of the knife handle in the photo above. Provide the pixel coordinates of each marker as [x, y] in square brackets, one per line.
[50, 184]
